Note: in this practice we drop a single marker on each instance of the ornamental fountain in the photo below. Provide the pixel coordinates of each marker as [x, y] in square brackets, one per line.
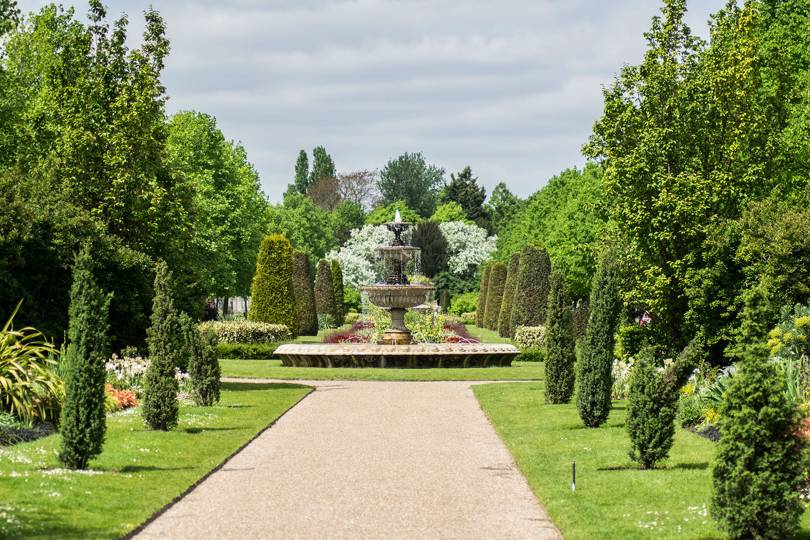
[396, 348]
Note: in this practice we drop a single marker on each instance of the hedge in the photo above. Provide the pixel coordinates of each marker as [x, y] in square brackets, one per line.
[530, 337]
[531, 355]
[337, 283]
[271, 295]
[531, 295]
[482, 298]
[505, 315]
[247, 351]
[305, 317]
[497, 279]
[246, 331]
[325, 292]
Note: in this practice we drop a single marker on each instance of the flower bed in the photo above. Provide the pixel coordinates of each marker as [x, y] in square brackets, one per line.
[425, 330]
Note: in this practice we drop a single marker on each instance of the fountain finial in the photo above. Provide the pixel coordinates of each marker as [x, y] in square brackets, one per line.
[397, 217]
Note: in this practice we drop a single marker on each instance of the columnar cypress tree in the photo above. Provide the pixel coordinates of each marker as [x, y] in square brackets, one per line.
[271, 295]
[582, 313]
[429, 238]
[203, 366]
[302, 172]
[761, 461]
[83, 421]
[482, 297]
[497, 279]
[531, 296]
[594, 370]
[560, 356]
[160, 409]
[325, 290]
[306, 318]
[337, 283]
[505, 316]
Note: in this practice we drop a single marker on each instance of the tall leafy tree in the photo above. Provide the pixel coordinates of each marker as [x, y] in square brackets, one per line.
[346, 216]
[502, 206]
[322, 166]
[463, 189]
[433, 257]
[308, 227]
[301, 182]
[411, 179]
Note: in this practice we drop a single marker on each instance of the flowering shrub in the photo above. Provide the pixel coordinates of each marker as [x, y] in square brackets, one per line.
[621, 378]
[126, 372]
[468, 246]
[358, 255]
[247, 331]
[530, 337]
[117, 399]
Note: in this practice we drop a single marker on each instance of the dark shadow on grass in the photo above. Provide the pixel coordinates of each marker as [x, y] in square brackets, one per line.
[635, 467]
[45, 524]
[691, 466]
[195, 430]
[236, 406]
[151, 468]
[245, 387]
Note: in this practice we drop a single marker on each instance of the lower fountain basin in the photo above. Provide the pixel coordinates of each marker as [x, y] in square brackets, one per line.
[417, 355]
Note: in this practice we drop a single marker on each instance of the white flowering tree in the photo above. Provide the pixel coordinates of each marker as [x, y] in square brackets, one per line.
[358, 255]
[468, 246]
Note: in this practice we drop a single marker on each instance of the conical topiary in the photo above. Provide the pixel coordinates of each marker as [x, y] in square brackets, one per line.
[560, 356]
[306, 317]
[497, 279]
[337, 283]
[83, 420]
[160, 409]
[505, 315]
[271, 294]
[203, 366]
[531, 295]
[325, 291]
[595, 366]
[482, 297]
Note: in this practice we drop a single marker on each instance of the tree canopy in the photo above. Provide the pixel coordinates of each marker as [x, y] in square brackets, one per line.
[413, 180]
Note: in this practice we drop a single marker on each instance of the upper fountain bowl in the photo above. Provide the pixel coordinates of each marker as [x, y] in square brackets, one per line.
[398, 296]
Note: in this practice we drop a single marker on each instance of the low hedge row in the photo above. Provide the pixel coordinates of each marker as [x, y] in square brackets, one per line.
[531, 355]
[247, 351]
[247, 331]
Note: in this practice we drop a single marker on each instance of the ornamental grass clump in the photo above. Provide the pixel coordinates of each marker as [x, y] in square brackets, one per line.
[761, 460]
[272, 299]
[560, 355]
[337, 283]
[505, 316]
[305, 316]
[482, 297]
[160, 407]
[497, 277]
[596, 353]
[531, 294]
[83, 422]
[325, 294]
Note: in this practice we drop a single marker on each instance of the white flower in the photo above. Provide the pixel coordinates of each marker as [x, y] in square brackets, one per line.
[468, 246]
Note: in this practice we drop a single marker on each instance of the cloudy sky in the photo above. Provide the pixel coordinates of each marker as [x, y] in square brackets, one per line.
[509, 87]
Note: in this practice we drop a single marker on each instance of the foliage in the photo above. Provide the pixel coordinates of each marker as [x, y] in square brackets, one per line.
[761, 462]
[559, 342]
[337, 282]
[596, 353]
[203, 366]
[468, 317]
[467, 246]
[531, 355]
[243, 331]
[358, 187]
[429, 238]
[29, 386]
[326, 321]
[464, 303]
[463, 190]
[346, 217]
[82, 424]
[301, 181]
[531, 295]
[249, 351]
[272, 299]
[385, 214]
[324, 193]
[306, 318]
[449, 211]
[502, 207]
[160, 408]
[620, 374]
[582, 312]
[411, 179]
[530, 337]
[510, 286]
[497, 279]
[322, 166]
[482, 297]
[325, 303]
[307, 227]
[126, 372]
[358, 255]
[791, 337]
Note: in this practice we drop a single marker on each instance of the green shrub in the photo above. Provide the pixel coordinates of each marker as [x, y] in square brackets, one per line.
[272, 299]
[246, 351]
[305, 317]
[337, 282]
[531, 294]
[352, 318]
[596, 351]
[505, 316]
[326, 321]
[352, 300]
[560, 353]
[531, 355]
[761, 461]
[203, 367]
[429, 238]
[481, 307]
[246, 331]
[464, 303]
[654, 403]
[325, 293]
[581, 315]
[468, 318]
[530, 337]
[27, 362]
[84, 421]
[691, 410]
[497, 277]
[160, 409]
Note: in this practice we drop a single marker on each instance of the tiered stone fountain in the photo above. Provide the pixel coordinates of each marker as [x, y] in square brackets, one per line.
[396, 348]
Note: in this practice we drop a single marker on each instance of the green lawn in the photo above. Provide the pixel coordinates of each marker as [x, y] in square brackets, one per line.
[139, 472]
[272, 369]
[485, 336]
[614, 499]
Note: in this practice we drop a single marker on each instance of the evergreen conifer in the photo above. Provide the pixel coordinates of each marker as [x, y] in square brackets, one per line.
[482, 297]
[505, 315]
[560, 356]
[531, 295]
[497, 279]
[325, 291]
[271, 294]
[337, 283]
[306, 317]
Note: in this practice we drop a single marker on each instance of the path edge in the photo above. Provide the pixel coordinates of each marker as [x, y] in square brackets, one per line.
[131, 534]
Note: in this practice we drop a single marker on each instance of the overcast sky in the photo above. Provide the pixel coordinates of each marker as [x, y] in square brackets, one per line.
[509, 87]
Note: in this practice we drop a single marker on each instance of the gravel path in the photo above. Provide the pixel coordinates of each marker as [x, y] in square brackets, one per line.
[367, 460]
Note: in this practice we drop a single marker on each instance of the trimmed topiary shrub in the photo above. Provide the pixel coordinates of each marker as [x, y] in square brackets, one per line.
[497, 279]
[83, 421]
[246, 331]
[761, 460]
[531, 294]
[246, 351]
[203, 367]
[482, 297]
[509, 288]
[429, 238]
[582, 313]
[325, 294]
[271, 294]
[594, 369]
[530, 337]
[305, 316]
[560, 355]
[337, 283]
[653, 404]
[160, 409]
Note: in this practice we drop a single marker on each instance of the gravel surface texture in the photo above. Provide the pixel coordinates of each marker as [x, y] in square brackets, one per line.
[359, 459]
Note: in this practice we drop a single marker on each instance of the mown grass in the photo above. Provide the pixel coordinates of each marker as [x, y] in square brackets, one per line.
[614, 499]
[486, 336]
[139, 472]
[272, 369]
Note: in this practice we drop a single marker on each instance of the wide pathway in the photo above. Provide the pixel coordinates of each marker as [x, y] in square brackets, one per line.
[367, 460]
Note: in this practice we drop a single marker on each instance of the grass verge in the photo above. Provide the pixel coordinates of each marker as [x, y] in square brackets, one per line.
[486, 336]
[614, 499]
[139, 472]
